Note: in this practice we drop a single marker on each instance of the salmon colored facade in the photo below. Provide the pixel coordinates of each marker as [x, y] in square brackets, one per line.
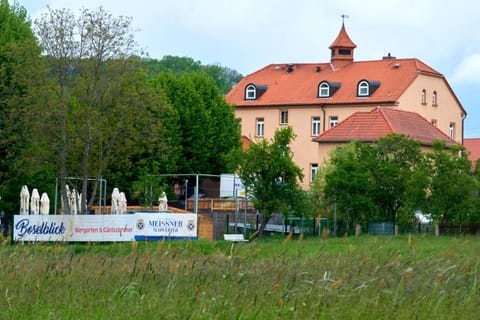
[314, 97]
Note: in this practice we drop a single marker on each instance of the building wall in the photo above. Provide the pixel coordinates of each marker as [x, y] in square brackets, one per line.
[307, 152]
[447, 110]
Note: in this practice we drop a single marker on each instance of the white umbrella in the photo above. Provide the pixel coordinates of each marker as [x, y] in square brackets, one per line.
[163, 202]
[24, 200]
[67, 198]
[123, 203]
[115, 201]
[73, 202]
[35, 202]
[44, 204]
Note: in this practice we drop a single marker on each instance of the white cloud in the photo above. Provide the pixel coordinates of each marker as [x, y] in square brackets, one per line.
[468, 71]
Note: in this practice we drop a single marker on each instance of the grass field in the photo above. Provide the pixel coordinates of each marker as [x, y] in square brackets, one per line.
[364, 277]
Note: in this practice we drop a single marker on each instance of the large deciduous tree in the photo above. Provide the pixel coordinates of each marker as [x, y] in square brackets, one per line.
[349, 183]
[452, 190]
[19, 54]
[207, 128]
[97, 108]
[270, 175]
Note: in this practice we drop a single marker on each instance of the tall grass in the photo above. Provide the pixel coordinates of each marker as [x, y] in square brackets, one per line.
[343, 278]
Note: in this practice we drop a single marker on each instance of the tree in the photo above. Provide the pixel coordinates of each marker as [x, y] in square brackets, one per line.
[97, 108]
[384, 181]
[269, 173]
[398, 176]
[224, 77]
[208, 130]
[19, 56]
[453, 190]
[349, 182]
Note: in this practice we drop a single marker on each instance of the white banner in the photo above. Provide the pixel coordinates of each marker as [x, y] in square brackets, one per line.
[165, 226]
[83, 228]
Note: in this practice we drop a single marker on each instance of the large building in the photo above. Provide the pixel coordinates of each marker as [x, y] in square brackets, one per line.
[313, 98]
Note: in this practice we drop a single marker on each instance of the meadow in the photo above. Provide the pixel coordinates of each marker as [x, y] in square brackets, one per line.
[365, 277]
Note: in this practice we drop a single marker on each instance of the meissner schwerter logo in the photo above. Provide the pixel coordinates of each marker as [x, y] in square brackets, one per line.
[24, 227]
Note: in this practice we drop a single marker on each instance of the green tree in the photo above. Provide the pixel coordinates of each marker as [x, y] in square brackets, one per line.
[225, 78]
[398, 176]
[452, 191]
[349, 182]
[384, 181]
[268, 171]
[19, 56]
[208, 130]
[98, 111]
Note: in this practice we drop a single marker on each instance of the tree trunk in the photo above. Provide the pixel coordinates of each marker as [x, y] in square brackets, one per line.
[263, 225]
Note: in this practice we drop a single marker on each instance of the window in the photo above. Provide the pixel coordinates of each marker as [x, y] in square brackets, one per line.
[313, 171]
[363, 89]
[452, 130]
[434, 98]
[260, 127]
[324, 90]
[315, 126]
[344, 52]
[283, 116]
[250, 92]
[424, 96]
[333, 121]
[434, 122]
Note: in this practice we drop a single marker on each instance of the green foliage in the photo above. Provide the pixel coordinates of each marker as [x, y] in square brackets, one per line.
[361, 277]
[207, 129]
[391, 179]
[19, 55]
[453, 190]
[224, 77]
[269, 173]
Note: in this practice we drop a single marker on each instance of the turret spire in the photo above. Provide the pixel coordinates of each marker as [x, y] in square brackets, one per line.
[342, 48]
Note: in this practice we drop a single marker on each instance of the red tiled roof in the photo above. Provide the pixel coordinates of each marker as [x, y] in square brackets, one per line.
[372, 125]
[301, 85]
[473, 147]
[343, 40]
[246, 143]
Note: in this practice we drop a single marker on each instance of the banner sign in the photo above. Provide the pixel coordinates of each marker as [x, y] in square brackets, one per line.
[165, 226]
[85, 228]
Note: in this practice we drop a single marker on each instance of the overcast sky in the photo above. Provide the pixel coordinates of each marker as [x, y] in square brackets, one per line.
[247, 35]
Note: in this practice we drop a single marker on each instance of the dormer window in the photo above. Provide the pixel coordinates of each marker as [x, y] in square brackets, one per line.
[250, 92]
[254, 91]
[366, 88]
[363, 89]
[326, 89]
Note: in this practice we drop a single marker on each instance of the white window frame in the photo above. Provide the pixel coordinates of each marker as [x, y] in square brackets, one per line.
[423, 96]
[363, 89]
[333, 120]
[283, 117]
[313, 171]
[452, 130]
[250, 92]
[434, 98]
[316, 122]
[324, 90]
[260, 127]
[434, 122]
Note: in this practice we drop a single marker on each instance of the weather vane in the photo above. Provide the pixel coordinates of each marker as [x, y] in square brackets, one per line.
[343, 17]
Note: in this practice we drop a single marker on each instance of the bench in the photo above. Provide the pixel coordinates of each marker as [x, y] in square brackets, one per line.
[234, 237]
